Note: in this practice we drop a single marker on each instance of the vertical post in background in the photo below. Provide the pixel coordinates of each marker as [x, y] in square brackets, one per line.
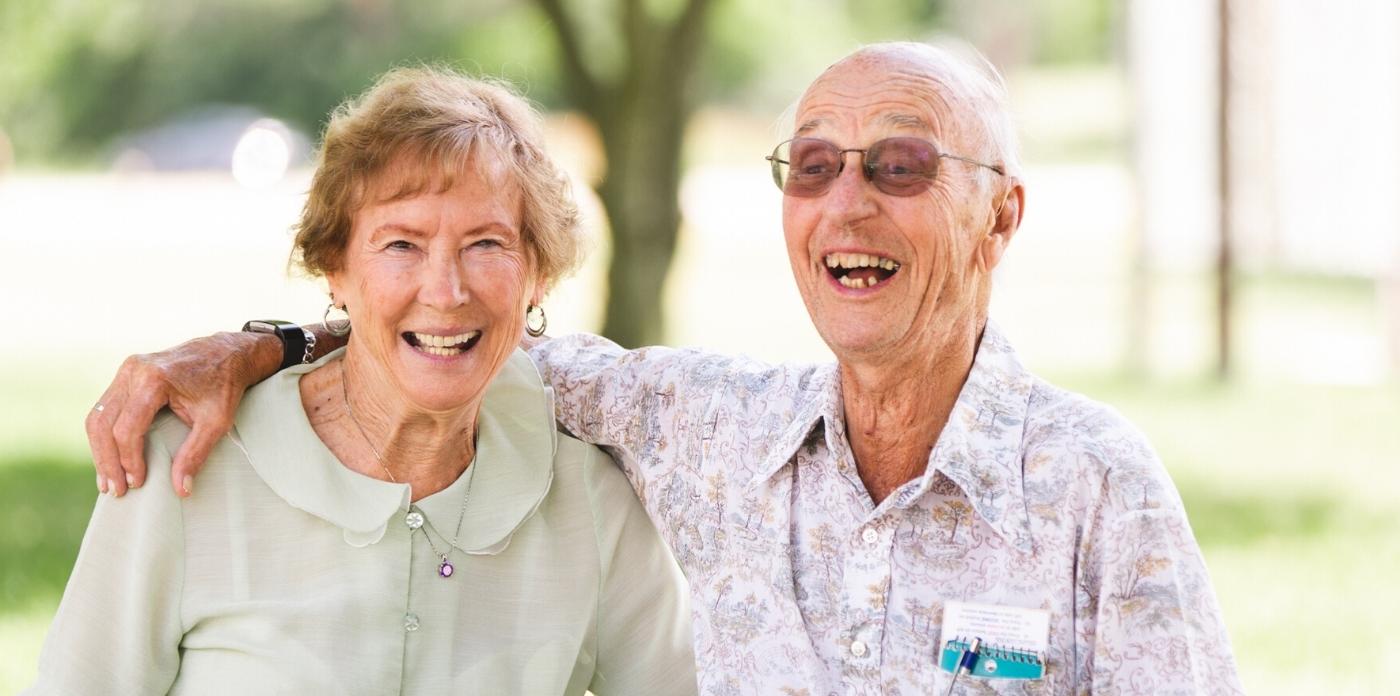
[1223, 267]
[1138, 321]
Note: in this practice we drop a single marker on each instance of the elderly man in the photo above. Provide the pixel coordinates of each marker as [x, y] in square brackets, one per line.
[852, 528]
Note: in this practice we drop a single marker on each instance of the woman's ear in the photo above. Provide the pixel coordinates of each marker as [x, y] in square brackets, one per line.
[334, 285]
[535, 289]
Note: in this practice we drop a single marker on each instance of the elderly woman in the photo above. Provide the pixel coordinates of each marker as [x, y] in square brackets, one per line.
[399, 516]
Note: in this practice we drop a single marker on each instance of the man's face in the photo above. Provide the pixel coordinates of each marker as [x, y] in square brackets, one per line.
[925, 247]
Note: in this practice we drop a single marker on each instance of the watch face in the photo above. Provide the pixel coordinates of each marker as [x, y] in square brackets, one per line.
[259, 326]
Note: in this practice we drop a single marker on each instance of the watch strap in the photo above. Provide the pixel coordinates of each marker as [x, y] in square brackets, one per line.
[297, 342]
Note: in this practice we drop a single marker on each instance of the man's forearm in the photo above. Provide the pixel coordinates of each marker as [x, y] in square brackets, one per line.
[201, 381]
[263, 352]
[325, 341]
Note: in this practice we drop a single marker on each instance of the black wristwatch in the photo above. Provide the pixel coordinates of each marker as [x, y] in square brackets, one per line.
[297, 342]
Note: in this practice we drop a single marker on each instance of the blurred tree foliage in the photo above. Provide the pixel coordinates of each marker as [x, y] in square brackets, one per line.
[76, 74]
[81, 73]
[1075, 31]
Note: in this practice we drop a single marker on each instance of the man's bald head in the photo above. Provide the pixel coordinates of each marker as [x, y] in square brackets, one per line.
[972, 95]
[937, 245]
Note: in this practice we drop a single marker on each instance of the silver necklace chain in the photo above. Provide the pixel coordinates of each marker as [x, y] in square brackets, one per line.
[445, 569]
[452, 544]
[345, 393]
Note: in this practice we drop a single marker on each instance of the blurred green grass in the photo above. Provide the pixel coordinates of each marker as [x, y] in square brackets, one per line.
[45, 503]
[1290, 489]
[44, 508]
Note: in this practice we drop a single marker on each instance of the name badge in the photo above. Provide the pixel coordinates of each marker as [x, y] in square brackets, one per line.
[994, 641]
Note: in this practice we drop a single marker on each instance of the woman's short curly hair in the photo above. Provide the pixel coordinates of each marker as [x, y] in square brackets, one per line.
[418, 128]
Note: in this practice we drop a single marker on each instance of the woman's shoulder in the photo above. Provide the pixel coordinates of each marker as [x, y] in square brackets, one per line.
[585, 474]
[167, 431]
[163, 440]
[580, 467]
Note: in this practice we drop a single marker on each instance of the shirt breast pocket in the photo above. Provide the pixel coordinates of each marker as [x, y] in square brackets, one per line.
[969, 685]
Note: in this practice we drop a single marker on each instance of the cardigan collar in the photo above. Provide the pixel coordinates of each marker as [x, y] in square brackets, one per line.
[510, 476]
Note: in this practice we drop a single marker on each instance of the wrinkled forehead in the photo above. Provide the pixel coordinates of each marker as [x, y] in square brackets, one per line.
[884, 95]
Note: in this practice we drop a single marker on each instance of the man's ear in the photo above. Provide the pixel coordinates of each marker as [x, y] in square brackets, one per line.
[1005, 221]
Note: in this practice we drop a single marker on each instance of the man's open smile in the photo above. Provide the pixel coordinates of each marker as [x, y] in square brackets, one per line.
[859, 270]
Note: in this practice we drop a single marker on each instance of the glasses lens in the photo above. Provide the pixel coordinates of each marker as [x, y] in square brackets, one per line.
[902, 166]
[812, 165]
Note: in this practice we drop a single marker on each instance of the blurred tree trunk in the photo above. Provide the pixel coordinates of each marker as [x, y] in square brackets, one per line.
[641, 112]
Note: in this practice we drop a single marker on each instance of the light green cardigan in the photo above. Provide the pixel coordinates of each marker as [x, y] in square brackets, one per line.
[286, 572]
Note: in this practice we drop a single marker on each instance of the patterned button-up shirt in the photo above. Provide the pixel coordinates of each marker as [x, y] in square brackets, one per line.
[1033, 497]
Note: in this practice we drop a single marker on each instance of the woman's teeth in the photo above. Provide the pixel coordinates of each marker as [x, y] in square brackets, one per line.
[443, 346]
[442, 352]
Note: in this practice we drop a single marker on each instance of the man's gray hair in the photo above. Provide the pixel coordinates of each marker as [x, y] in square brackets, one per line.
[963, 68]
[971, 79]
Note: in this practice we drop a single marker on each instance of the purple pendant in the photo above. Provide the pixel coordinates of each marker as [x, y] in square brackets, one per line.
[446, 569]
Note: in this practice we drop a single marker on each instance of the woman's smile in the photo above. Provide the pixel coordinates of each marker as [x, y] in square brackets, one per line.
[441, 345]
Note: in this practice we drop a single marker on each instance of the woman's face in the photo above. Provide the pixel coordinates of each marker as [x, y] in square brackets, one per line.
[436, 286]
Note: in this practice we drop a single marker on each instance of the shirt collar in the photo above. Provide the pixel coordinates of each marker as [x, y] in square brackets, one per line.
[979, 448]
[819, 399]
[514, 463]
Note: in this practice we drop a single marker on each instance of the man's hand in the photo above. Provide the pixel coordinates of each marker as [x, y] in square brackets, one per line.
[202, 381]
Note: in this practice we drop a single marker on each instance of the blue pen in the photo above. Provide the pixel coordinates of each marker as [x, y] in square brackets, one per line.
[965, 663]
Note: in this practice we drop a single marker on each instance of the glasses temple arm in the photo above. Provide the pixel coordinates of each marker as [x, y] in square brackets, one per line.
[994, 167]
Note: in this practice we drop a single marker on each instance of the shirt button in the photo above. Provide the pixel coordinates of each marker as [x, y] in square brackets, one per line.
[870, 535]
[858, 648]
[414, 519]
[410, 622]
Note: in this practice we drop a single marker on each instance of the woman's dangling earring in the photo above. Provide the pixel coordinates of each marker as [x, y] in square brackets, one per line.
[331, 328]
[535, 320]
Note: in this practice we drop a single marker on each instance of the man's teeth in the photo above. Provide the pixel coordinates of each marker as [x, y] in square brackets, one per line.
[850, 261]
[443, 345]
